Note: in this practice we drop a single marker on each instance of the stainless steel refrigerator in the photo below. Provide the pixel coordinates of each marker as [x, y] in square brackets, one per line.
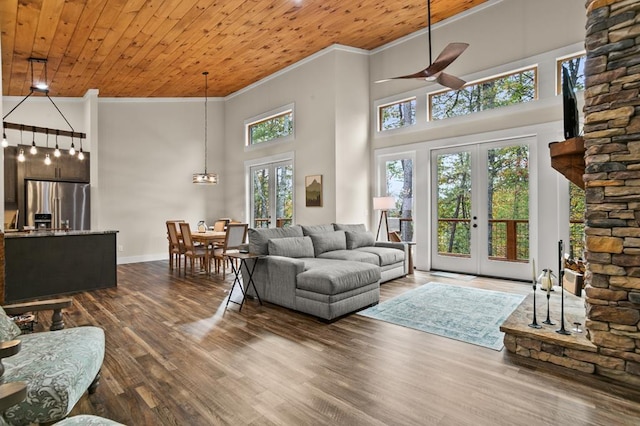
[67, 202]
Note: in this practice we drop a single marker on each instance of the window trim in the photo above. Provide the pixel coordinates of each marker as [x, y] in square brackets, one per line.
[396, 102]
[533, 67]
[283, 110]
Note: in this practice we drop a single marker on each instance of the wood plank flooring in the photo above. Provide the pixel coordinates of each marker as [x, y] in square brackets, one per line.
[175, 357]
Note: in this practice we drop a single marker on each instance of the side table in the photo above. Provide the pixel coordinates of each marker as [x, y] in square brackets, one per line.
[243, 257]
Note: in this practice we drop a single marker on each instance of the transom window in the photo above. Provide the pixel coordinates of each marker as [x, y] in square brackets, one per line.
[509, 89]
[397, 114]
[276, 126]
[575, 65]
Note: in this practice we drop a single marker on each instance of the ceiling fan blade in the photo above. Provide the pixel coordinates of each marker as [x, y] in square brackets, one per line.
[419, 75]
[450, 81]
[449, 54]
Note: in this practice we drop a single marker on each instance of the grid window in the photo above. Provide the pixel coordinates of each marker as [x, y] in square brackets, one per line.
[575, 66]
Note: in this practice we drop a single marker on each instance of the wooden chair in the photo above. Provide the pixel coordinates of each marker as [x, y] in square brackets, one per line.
[233, 241]
[219, 225]
[192, 251]
[176, 251]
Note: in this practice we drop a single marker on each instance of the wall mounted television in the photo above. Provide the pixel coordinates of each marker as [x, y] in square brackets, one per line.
[569, 106]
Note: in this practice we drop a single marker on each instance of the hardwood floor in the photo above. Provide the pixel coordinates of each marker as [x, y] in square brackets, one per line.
[175, 357]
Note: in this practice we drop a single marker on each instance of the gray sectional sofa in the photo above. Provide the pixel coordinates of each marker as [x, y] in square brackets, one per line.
[323, 270]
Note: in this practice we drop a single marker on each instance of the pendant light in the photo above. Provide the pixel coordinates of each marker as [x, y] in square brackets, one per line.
[21, 153]
[80, 153]
[33, 149]
[72, 150]
[56, 153]
[47, 158]
[5, 141]
[205, 178]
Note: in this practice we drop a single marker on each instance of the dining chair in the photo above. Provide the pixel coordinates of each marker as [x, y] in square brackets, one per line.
[235, 238]
[192, 251]
[219, 225]
[176, 251]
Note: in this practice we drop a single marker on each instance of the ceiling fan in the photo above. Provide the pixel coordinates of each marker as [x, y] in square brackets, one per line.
[434, 72]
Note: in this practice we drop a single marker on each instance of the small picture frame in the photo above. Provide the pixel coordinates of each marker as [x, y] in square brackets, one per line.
[313, 190]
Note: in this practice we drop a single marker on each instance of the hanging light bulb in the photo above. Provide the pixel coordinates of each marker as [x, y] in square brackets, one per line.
[21, 156]
[33, 149]
[80, 155]
[56, 153]
[47, 160]
[72, 150]
[5, 142]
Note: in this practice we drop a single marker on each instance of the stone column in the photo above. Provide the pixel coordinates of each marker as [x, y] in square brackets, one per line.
[612, 178]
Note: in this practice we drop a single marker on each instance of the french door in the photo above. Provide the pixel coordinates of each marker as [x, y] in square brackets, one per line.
[272, 195]
[480, 205]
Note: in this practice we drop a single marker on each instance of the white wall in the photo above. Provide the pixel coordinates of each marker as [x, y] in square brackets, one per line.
[330, 95]
[149, 150]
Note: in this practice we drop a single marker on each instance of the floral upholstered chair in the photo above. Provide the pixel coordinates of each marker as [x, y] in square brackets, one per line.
[56, 366]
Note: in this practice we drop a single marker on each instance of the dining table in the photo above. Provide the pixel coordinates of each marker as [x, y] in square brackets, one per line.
[209, 240]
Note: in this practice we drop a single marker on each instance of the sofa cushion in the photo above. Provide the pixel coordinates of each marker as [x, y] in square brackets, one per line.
[58, 367]
[388, 256]
[291, 247]
[8, 329]
[340, 277]
[359, 239]
[316, 229]
[356, 227]
[352, 255]
[259, 237]
[328, 241]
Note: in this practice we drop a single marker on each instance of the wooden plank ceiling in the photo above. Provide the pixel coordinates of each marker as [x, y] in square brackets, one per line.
[159, 48]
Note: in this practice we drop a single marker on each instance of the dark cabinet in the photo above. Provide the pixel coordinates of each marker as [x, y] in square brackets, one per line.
[63, 168]
[10, 177]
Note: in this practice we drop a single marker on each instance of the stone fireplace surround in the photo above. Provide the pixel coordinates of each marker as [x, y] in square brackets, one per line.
[612, 217]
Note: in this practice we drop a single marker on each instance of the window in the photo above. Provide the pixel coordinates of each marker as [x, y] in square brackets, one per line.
[269, 128]
[575, 65]
[510, 89]
[398, 174]
[396, 115]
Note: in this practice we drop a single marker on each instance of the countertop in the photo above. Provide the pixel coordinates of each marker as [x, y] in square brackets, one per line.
[32, 234]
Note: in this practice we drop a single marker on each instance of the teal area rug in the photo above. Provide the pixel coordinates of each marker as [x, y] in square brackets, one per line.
[468, 314]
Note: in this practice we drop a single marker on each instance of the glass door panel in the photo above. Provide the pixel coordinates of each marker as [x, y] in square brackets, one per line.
[399, 184]
[481, 208]
[260, 215]
[272, 195]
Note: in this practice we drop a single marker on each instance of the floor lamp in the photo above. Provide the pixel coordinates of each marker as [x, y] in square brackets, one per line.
[383, 204]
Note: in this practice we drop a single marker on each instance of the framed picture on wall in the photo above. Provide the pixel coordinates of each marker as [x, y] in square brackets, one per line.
[313, 190]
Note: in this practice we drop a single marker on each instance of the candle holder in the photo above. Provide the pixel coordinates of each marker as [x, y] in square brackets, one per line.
[546, 279]
[534, 323]
[561, 330]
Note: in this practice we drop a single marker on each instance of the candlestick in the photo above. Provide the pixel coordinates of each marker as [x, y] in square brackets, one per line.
[561, 330]
[549, 285]
[534, 324]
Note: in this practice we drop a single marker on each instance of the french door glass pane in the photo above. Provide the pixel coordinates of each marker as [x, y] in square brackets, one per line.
[399, 178]
[260, 178]
[284, 195]
[508, 203]
[454, 204]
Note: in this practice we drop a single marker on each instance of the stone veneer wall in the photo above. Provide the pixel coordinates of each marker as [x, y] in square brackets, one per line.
[612, 178]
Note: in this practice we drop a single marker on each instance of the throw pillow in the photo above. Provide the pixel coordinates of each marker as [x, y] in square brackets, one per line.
[328, 241]
[259, 237]
[316, 229]
[356, 227]
[8, 329]
[359, 239]
[291, 247]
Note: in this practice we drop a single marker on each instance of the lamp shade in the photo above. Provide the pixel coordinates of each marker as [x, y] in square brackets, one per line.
[384, 203]
[205, 178]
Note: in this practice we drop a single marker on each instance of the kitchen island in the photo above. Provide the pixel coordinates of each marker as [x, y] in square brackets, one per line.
[43, 264]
